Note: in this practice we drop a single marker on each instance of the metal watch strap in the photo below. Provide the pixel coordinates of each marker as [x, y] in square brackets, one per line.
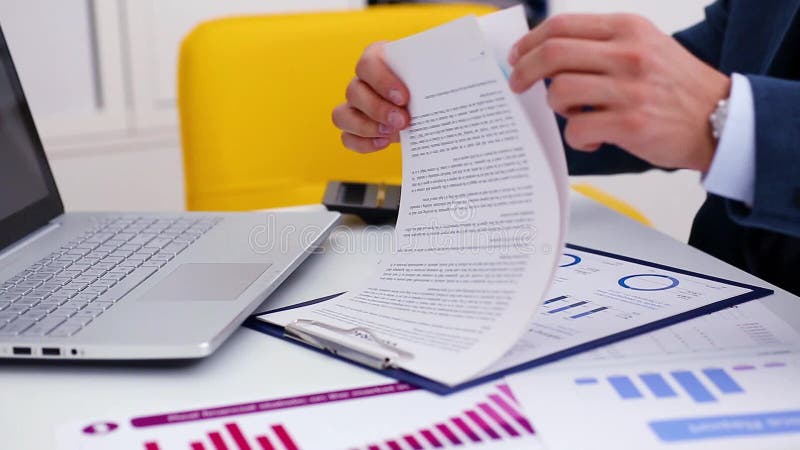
[718, 118]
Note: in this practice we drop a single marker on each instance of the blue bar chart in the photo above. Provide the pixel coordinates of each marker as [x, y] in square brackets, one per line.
[693, 386]
[658, 385]
[588, 313]
[736, 402]
[702, 386]
[553, 300]
[564, 308]
[624, 387]
[723, 381]
[570, 307]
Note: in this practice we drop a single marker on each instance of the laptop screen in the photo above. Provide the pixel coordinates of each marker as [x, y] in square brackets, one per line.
[21, 180]
[28, 196]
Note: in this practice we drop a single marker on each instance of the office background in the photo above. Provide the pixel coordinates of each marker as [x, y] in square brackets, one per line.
[99, 75]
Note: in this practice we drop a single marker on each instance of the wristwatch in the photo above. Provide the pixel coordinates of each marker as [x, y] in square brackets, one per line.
[718, 118]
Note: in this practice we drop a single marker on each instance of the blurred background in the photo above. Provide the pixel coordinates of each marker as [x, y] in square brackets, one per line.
[100, 79]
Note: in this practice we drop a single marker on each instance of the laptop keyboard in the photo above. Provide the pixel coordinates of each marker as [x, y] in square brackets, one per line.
[63, 292]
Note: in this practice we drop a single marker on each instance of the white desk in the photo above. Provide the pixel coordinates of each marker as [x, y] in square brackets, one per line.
[34, 397]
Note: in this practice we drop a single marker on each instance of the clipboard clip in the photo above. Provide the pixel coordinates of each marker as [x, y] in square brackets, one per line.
[359, 344]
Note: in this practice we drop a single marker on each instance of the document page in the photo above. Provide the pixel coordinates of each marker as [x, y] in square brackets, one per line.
[723, 381]
[389, 416]
[749, 328]
[737, 402]
[481, 217]
[594, 296]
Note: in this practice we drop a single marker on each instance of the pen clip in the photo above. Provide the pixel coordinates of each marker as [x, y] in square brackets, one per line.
[378, 354]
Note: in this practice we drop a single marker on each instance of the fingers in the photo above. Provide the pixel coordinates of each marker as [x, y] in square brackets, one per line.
[588, 130]
[375, 108]
[372, 70]
[363, 144]
[561, 55]
[353, 121]
[570, 93]
[361, 133]
[361, 97]
[573, 26]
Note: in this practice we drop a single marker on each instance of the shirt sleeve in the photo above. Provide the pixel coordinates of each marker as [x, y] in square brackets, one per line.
[733, 169]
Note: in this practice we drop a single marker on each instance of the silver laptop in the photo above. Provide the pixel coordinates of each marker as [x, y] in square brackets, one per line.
[125, 286]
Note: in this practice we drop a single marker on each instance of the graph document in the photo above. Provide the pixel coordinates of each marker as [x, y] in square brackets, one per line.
[393, 416]
[725, 381]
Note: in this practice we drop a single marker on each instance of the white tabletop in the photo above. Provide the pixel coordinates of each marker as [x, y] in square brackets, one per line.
[34, 397]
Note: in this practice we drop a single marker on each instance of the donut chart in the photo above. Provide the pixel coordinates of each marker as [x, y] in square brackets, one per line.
[568, 259]
[648, 282]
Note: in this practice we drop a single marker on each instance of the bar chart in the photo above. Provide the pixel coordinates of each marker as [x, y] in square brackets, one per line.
[496, 418]
[570, 307]
[380, 417]
[701, 386]
[738, 402]
[277, 438]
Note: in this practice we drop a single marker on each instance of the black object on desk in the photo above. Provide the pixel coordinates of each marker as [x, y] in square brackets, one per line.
[374, 203]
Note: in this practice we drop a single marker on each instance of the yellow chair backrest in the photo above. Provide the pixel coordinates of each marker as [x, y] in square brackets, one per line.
[611, 202]
[255, 96]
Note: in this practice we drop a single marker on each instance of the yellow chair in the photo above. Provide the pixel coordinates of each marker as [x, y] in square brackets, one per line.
[255, 96]
[611, 202]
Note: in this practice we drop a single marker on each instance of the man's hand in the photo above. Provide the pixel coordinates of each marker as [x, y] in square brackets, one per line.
[619, 80]
[374, 112]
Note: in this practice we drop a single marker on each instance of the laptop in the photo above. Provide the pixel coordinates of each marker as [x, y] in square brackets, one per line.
[126, 286]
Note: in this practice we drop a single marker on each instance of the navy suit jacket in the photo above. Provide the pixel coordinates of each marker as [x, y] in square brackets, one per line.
[760, 39]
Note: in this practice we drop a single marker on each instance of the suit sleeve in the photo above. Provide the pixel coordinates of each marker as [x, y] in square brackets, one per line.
[776, 190]
[704, 40]
[776, 193]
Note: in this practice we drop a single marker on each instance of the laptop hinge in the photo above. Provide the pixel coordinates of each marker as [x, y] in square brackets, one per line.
[29, 239]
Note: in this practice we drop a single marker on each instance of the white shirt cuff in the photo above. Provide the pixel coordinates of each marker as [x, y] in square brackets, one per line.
[733, 170]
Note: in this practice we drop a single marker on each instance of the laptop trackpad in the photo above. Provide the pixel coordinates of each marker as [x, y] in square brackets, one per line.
[201, 282]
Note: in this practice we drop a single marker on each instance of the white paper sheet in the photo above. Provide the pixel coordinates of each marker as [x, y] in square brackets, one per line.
[749, 343]
[737, 402]
[749, 328]
[481, 216]
[594, 296]
[386, 417]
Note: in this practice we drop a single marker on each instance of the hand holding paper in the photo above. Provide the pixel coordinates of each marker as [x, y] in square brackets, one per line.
[481, 218]
[375, 110]
[480, 233]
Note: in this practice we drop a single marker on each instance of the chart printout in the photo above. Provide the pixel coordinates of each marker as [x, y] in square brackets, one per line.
[722, 381]
[732, 403]
[384, 417]
[595, 295]
[747, 329]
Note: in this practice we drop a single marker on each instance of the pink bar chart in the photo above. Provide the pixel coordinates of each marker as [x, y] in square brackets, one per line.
[280, 439]
[497, 418]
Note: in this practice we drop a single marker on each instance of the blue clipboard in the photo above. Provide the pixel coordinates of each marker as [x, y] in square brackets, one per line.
[434, 386]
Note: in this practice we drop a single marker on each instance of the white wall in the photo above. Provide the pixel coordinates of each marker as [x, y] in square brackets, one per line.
[100, 78]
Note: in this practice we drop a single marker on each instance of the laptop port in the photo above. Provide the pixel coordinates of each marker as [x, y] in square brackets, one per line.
[21, 350]
[51, 351]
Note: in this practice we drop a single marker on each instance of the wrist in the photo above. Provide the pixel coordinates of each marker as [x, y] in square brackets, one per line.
[713, 120]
